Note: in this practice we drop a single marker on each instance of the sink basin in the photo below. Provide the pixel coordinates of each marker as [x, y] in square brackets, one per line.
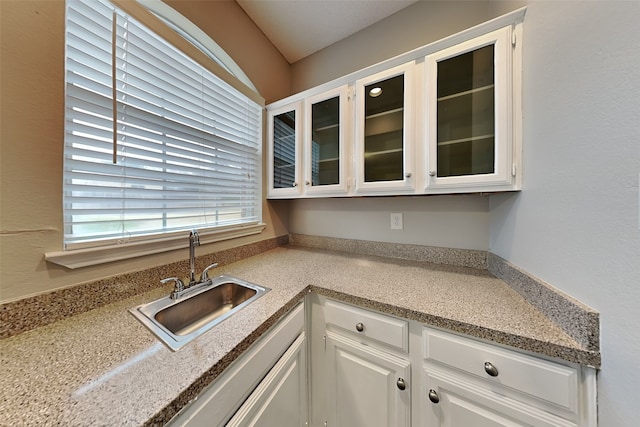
[177, 322]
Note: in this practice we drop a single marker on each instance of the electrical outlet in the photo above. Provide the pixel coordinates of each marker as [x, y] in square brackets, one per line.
[396, 221]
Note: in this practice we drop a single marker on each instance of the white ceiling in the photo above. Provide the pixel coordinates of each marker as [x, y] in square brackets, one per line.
[299, 28]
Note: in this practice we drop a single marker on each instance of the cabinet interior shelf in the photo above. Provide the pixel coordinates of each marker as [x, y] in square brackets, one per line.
[462, 140]
[382, 152]
[466, 92]
[320, 129]
[385, 113]
[333, 159]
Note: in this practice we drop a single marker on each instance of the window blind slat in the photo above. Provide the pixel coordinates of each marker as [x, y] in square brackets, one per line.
[187, 143]
[145, 122]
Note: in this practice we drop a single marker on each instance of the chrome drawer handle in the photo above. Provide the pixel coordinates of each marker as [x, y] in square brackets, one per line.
[359, 327]
[433, 396]
[490, 369]
[401, 384]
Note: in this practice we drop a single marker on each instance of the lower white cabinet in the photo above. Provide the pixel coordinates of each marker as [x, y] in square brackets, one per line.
[361, 371]
[451, 400]
[260, 369]
[467, 382]
[281, 398]
[361, 359]
[366, 386]
[338, 365]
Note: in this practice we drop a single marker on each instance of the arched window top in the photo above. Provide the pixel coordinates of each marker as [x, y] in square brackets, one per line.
[197, 37]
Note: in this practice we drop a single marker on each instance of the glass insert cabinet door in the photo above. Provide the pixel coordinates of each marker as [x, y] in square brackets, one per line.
[325, 158]
[284, 135]
[468, 106]
[383, 114]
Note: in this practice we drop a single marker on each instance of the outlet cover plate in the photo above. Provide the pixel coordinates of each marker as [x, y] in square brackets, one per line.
[396, 221]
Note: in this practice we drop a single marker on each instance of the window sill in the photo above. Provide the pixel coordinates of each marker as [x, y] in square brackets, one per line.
[101, 255]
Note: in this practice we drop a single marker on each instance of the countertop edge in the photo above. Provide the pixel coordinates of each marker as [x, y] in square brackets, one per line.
[567, 354]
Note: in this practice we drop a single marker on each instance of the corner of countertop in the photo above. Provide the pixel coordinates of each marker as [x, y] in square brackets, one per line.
[578, 320]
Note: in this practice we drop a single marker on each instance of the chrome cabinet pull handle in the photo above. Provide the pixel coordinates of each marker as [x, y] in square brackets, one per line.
[359, 327]
[401, 384]
[490, 369]
[433, 396]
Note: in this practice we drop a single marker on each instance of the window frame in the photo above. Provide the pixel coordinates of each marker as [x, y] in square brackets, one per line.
[84, 255]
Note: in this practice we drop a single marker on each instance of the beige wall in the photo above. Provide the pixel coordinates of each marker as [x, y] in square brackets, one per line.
[231, 28]
[31, 138]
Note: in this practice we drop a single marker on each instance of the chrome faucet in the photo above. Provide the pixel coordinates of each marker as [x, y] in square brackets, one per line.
[180, 288]
[194, 240]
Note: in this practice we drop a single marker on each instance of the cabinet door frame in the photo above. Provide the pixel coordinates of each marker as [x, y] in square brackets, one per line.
[460, 391]
[505, 132]
[296, 187]
[291, 366]
[399, 405]
[333, 189]
[218, 401]
[407, 184]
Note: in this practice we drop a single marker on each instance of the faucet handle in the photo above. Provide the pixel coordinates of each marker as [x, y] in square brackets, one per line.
[179, 286]
[205, 273]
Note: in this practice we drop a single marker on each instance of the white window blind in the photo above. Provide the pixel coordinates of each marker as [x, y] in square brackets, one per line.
[154, 143]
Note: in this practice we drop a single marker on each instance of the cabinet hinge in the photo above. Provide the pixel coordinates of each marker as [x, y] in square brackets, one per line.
[513, 170]
[513, 39]
[324, 337]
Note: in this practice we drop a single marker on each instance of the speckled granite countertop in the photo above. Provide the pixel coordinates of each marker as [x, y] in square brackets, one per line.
[103, 367]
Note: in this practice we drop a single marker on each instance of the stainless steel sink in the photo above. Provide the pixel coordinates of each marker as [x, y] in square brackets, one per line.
[177, 322]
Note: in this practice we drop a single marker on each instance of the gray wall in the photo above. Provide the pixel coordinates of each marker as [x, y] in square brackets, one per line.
[446, 221]
[576, 222]
[410, 28]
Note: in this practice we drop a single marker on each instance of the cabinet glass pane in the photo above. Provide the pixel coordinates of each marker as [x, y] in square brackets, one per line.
[325, 142]
[466, 114]
[284, 149]
[383, 130]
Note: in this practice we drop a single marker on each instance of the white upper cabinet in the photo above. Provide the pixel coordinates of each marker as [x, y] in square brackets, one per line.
[325, 151]
[384, 132]
[444, 118]
[469, 115]
[284, 161]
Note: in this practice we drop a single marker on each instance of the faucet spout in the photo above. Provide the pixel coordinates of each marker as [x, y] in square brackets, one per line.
[194, 240]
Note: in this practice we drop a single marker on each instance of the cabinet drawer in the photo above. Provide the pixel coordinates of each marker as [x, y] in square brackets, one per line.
[367, 324]
[551, 382]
